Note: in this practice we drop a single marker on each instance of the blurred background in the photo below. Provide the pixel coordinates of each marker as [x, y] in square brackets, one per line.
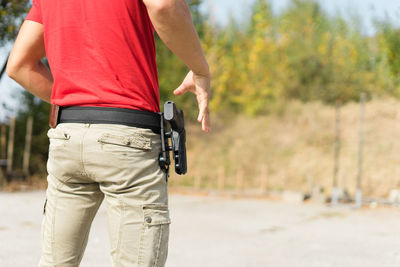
[305, 99]
[305, 107]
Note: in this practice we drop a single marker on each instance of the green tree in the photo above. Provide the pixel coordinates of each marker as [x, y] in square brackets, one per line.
[328, 60]
[11, 15]
[392, 38]
[388, 39]
[172, 71]
[39, 110]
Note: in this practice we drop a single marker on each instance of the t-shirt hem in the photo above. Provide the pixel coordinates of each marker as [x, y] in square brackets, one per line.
[33, 20]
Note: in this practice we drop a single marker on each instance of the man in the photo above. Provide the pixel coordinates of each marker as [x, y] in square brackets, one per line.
[104, 77]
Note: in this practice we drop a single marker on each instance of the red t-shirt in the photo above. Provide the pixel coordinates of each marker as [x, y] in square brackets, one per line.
[101, 52]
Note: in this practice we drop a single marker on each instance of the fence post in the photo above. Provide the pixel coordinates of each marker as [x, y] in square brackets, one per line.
[2, 178]
[3, 140]
[360, 152]
[264, 179]
[335, 191]
[11, 146]
[28, 141]
[239, 180]
[197, 181]
[3, 155]
[221, 179]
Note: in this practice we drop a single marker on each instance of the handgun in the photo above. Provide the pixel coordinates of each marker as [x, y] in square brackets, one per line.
[173, 127]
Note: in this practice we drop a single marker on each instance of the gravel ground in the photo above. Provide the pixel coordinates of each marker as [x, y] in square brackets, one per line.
[220, 232]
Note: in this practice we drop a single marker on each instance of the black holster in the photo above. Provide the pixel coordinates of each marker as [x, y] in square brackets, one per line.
[173, 128]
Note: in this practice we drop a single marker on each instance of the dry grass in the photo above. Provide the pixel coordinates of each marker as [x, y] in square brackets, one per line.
[296, 148]
[30, 183]
[290, 150]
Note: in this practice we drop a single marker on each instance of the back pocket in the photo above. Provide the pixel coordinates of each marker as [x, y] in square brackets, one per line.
[57, 138]
[123, 143]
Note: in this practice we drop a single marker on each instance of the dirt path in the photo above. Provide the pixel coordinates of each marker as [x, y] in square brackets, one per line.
[215, 232]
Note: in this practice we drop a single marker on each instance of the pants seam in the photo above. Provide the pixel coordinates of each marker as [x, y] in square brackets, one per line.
[81, 154]
[119, 251]
[140, 251]
[158, 246]
[94, 211]
[60, 181]
[53, 227]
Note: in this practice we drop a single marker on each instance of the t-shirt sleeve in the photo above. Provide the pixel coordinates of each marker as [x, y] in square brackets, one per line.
[35, 14]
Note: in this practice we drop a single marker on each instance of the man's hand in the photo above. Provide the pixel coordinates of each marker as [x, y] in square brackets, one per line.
[200, 86]
[173, 23]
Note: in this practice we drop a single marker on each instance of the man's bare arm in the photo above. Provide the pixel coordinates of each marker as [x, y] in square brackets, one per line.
[24, 65]
[173, 23]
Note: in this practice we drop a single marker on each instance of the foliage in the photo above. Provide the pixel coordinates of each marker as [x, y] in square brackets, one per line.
[388, 39]
[39, 111]
[10, 18]
[302, 53]
[172, 71]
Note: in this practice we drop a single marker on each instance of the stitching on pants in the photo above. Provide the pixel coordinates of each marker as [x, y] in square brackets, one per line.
[84, 241]
[86, 236]
[158, 246]
[53, 227]
[141, 241]
[81, 154]
[136, 140]
[140, 252]
[59, 182]
[122, 208]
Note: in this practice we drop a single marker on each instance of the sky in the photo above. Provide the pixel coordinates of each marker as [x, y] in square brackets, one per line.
[220, 10]
[367, 10]
[7, 86]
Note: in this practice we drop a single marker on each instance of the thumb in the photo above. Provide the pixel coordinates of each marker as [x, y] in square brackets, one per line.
[186, 85]
[181, 89]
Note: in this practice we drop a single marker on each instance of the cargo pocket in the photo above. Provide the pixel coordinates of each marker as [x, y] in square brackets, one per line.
[155, 233]
[124, 143]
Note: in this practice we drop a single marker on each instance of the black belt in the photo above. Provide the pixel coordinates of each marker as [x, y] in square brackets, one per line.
[106, 115]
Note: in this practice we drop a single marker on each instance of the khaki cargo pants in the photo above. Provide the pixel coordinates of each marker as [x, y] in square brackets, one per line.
[91, 162]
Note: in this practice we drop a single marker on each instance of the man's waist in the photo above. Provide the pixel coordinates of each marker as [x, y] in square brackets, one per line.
[107, 115]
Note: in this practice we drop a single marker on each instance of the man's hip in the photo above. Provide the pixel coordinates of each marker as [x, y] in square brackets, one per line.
[90, 161]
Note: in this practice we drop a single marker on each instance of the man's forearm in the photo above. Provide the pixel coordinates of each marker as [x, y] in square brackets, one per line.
[24, 65]
[36, 78]
[173, 23]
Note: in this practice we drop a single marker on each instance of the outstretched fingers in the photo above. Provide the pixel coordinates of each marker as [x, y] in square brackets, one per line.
[205, 123]
[204, 113]
[200, 86]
